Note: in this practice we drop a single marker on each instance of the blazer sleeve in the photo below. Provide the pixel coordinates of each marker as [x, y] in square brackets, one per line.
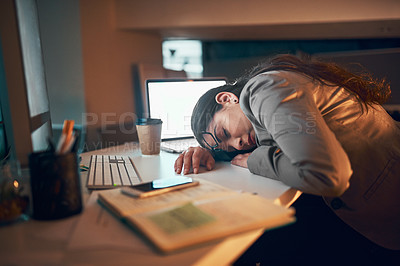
[307, 156]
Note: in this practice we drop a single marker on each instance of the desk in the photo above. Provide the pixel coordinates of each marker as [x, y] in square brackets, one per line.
[55, 242]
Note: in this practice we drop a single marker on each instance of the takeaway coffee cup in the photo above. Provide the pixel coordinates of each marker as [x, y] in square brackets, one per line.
[149, 134]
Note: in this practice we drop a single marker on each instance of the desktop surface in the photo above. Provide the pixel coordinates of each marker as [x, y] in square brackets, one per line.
[108, 241]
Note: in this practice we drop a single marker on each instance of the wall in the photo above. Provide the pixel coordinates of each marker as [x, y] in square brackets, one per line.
[262, 19]
[108, 55]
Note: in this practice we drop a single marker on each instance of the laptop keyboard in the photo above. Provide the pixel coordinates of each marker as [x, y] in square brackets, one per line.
[109, 171]
[178, 146]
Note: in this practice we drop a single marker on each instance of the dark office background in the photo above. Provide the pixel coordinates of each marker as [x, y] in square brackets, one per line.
[231, 58]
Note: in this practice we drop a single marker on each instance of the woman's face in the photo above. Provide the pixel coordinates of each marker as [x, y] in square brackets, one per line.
[230, 127]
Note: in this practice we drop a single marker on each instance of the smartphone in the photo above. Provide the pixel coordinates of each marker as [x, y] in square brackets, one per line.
[159, 186]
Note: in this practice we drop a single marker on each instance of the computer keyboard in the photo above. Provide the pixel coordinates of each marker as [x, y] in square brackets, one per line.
[178, 146]
[109, 171]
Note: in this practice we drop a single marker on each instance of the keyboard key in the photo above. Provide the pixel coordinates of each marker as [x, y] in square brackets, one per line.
[92, 169]
[115, 174]
[124, 175]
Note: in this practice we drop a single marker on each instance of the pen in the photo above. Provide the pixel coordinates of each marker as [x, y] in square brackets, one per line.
[66, 137]
[126, 192]
[68, 145]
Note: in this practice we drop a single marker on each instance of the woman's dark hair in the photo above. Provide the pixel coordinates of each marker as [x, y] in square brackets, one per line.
[364, 87]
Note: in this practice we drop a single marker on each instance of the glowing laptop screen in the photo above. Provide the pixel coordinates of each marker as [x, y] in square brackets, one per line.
[173, 101]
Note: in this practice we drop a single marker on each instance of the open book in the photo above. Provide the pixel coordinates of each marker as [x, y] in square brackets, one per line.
[195, 215]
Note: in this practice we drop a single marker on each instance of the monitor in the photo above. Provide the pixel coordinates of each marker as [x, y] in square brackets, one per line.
[23, 91]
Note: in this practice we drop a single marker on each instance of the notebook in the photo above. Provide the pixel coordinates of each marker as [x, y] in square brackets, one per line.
[187, 218]
[173, 100]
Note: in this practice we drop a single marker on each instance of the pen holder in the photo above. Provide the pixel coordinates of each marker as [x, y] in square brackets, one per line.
[55, 185]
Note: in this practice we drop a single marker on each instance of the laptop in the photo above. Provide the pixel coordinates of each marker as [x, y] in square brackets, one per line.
[173, 100]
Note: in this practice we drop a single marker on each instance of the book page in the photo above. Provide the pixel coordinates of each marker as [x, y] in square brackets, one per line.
[203, 220]
[124, 205]
[181, 219]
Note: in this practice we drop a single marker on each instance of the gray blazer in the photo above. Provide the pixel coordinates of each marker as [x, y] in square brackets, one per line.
[318, 140]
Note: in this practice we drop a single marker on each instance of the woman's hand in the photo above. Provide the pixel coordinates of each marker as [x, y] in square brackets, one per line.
[193, 158]
[241, 160]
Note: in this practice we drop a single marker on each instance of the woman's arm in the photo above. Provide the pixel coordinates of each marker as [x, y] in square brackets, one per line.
[307, 155]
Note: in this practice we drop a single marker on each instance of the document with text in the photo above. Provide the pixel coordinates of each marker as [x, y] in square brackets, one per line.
[195, 215]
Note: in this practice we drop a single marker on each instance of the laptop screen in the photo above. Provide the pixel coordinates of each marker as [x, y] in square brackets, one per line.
[173, 101]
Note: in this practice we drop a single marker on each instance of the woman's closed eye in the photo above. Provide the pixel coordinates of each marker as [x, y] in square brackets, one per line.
[221, 134]
[226, 134]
